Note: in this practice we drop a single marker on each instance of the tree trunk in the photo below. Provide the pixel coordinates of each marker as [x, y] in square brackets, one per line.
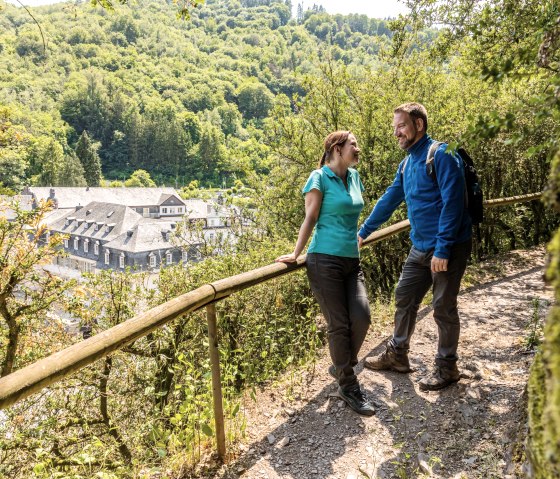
[103, 406]
[11, 349]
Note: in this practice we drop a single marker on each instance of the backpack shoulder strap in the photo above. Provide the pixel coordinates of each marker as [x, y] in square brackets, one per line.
[404, 164]
[430, 168]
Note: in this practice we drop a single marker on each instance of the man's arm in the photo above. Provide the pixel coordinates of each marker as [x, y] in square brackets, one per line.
[451, 182]
[384, 208]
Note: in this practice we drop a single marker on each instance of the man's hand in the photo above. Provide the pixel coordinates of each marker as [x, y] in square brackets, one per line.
[439, 264]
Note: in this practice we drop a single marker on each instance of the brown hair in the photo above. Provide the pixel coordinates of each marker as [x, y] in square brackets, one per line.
[336, 138]
[415, 110]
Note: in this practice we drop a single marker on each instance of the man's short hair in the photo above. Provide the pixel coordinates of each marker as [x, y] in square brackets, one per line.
[415, 110]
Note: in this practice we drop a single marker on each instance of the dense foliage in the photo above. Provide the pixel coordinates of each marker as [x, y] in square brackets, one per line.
[183, 100]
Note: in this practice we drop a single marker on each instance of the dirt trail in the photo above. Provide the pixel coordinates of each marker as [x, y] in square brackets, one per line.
[473, 429]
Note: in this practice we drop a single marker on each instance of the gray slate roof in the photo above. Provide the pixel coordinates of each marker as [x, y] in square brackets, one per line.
[70, 197]
[83, 221]
[143, 237]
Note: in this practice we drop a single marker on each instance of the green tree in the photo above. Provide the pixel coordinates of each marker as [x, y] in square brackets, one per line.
[254, 100]
[71, 172]
[14, 140]
[86, 152]
[140, 178]
[27, 291]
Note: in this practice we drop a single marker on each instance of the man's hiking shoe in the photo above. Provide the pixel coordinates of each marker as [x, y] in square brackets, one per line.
[440, 378]
[356, 399]
[332, 371]
[388, 360]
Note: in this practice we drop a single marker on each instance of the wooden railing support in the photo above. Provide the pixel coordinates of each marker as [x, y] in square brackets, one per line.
[216, 380]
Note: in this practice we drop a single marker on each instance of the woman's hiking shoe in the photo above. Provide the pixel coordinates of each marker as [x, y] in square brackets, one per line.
[388, 360]
[356, 399]
[440, 378]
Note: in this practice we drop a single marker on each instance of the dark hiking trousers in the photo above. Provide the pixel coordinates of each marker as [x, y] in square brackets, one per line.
[415, 281]
[338, 285]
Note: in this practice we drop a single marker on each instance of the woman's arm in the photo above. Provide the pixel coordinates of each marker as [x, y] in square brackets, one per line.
[313, 200]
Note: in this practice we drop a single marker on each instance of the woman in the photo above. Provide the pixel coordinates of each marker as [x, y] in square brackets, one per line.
[333, 202]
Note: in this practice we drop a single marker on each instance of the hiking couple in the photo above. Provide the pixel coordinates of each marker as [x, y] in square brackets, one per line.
[441, 245]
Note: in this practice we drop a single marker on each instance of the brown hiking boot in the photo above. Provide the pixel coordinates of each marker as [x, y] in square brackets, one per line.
[440, 378]
[389, 360]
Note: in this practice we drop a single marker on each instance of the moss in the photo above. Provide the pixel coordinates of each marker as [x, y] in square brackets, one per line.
[536, 402]
[544, 381]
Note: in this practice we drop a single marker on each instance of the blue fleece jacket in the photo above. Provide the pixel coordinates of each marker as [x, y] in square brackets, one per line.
[436, 210]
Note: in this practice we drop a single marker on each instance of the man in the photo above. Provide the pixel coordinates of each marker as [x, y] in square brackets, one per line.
[441, 244]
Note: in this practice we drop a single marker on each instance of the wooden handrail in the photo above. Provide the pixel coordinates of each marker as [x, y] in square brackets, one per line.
[30, 379]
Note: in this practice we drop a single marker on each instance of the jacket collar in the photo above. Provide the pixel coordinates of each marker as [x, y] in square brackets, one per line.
[419, 145]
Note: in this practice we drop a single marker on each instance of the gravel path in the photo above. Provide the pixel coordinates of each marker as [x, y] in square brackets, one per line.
[474, 429]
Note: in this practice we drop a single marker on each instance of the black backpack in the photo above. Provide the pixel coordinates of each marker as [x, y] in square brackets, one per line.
[473, 191]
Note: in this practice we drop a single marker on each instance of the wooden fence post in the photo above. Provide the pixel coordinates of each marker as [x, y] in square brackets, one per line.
[216, 380]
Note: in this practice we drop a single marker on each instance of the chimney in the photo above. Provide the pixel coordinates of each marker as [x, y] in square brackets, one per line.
[129, 233]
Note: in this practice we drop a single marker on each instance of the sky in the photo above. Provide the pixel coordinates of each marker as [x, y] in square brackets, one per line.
[372, 8]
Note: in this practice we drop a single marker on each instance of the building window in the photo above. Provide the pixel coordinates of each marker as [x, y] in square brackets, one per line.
[180, 209]
[76, 243]
[169, 258]
[107, 256]
[86, 245]
[66, 242]
[185, 256]
[211, 236]
[164, 210]
[96, 247]
[152, 260]
[146, 212]
[121, 261]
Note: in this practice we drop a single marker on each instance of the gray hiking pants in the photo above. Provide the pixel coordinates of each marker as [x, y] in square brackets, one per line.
[415, 281]
[338, 285]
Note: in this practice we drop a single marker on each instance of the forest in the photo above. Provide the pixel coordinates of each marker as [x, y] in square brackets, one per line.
[239, 94]
[183, 100]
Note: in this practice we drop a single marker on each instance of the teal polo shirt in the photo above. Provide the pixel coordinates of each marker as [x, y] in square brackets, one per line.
[337, 226]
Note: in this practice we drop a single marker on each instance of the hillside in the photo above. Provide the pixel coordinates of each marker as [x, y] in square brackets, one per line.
[181, 99]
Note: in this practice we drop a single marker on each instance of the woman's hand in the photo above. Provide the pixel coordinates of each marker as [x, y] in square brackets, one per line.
[287, 258]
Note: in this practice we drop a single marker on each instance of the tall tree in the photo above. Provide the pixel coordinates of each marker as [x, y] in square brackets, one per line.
[87, 154]
[71, 172]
